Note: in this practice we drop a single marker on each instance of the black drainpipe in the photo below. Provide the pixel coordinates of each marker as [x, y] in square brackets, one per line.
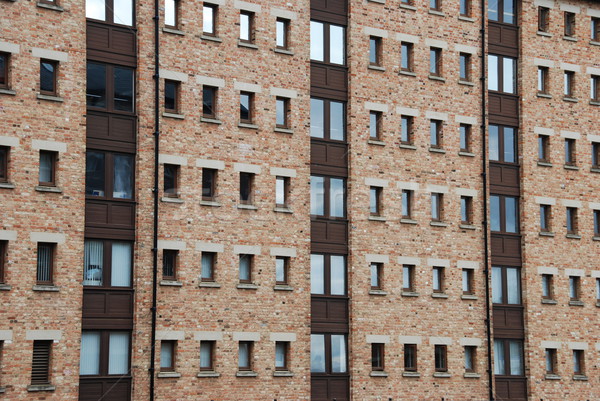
[485, 205]
[155, 193]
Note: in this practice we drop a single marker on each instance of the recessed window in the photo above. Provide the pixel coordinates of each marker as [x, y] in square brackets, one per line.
[408, 278]
[171, 180]
[170, 257]
[547, 286]
[502, 11]
[441, 358]
[435, 5]
[209, 184]
[282, 27]
[597, 289]
[110, 88]
[595, 29]
[543, 73]
[465, 8]
[406, 57]
[4, 152]
[209, 19]
[245, 355]
[375, 125]
[545, 218]
[377, 356]
[4, 57]
[171, 96]
[504, 214]
[327, 119]
[574, 288]
[437, 207]
[282, 106]
[438, 279]
[246, 107]
[543, 19]
[406, 130]
[48, 168]
[116, 11]
[327, 196]
[467, 281]
[570, 152]
[470, 358]
[209, 101]
[45, 263]
[502, 144]
[48, 74]
[171, 13]
[466, 210]
[596, 223]
[3, 258]
[327, 275]
[551, 361]
[376, 276]
[578, 362]
[246, 188]
[40, 363]
[167, 356]
[410, 357]
[375, 51]
[595, 88]
[569, 24]
[282, 185]
[508, 357]
[506, 285]
[327, 43]
[595, 156]
[208, 263]
[207, 355]
[502, 74]
[375, 198]
[281, 355]
[544, 148]
[407, 199]
[281, 270]
[246, 26]
[435, 133]
[465, 137]
[465, 67]
[569, 81]
[435, 61]
[245, 268]
[107, 263]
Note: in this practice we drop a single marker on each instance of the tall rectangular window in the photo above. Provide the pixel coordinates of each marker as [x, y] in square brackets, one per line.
[470, 359]
[281, 355]
[595, 155]
[408, 278]
[327, 43]
[502, 144]
[543, 19]
[207, 355]
[504, 214]
[281, 270]
[597, 290]
[466, 210]
[375, 200]
[282, 185]
[282, 34]
[595, 29]
[544, 148]
[570, 152]
[282, 106]
[438, 279]
[406, 130]
[578, 362]
[209, 19]
[410, 357]
[572, 223]
[171, 180]
[435, 133]
[4, 152]
[246, 188]
[574, 288]
[246, 107]
[171, 96]
[209, 102]
[48, 74]
[327, 274]
[595, 88]
[246, 26]
[245, 268]
[542, 85]
[545, 216]
[465, 8]
[4, 57]
[48, 168]
[551, 361]
[167, 356]
[506, 285]
[375, 125]
[407, 196]
[441, 358]
[171, 13]
[45, 263]
[170, 257]
[465, 137]
[465, 67]
[375, 51]
[209, 184]
[435, 61]
[547, 286]
[40, 363]
[376, 276]
[596, 223]
[502, 74]
[377, 356]
[569, 24]
[207, 269]
[245, 349]
[569, 84]
[3, 258]
[406, 57]
[437, 207]
[467, 281]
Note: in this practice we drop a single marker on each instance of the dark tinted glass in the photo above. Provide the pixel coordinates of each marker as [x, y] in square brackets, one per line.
[208, 101]
[170, 95]
[170, 179]
[94, 174]
[3, 69]
[244, 107]
[96, 85]
[47, 71]
[123, 96]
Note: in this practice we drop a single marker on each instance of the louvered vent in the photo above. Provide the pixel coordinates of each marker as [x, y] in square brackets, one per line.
[41, 362]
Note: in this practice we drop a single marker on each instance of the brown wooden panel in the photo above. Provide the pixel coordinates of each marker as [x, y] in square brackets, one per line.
[329, 314]
[114, 389]
[113, 40]
[506, 249]
[333, 80]
[328, 388]
[508, 322]
[329, 154]
[107, 304]
[511, 388]
[505, 179]
[111, 127]
[503, 109]
[503, 39]
[110, 214]
[329, 231]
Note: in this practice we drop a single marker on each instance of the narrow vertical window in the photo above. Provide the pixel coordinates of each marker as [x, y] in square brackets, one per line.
[543, 19]
[569, 24]
[542, 85]
[545, 215]
[595, 155]
[574, 288]
[246, 107]
[89, 363]
[408, 277]
[578, 362]
[47, 168]
[436, 206]
[40, 363]
[171, 13]
[406, 130]
[596, 223]
[281, 355]
[376, 276]
[569, 78]
[435, 5]
[465, 67]
[167, 356]
[245, 356]
[543, 148]
[4, 70]
[470, 358]
[377, 356]
[407, 196]
[572, 220]
[550, 360]
[45, 263]
[375, 51]
[3, 256]
[595, 88]
[467, 281]
[465, 138]
[207, 358]
[465, 8]
[171, 96]
[547, 286]
[282, 33]
[209, 184]
[406, 57]
[466, 210]
[570, 158]
[282, 185]
[171, 180]
[209, 19]
[48, 72]
[438, 279]
[375, 125]
[245, 268]
[441, 363]
[597, 290]
[246, 26]
[209, 102]
[282, 112]
[281, 270]
[410, 357]
[208, 261]
[435, 134]
[4, 152]
[595, 29]
[246, 188]
[337, 44]
[170, 257]
[375, 195]
[435, 61]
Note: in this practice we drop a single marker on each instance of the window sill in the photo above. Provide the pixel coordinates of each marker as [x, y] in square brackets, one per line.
[50, 98]
[595, 170]
[283, 373]
[466, 154]
[41, 188]
[378, 292]
[408, 73]
[442, 375]
[408, 221]
[464, 18]
[208, 374]
[166, 375]
[439, 295]
[210, 203]
[283, 51]
[282, 287]
[570, 167]
[471, 375]
[438, 224]
[544, 164]
[50, 7]
[552, 377]
[211, 38]
[544, 95]
[571, 99]
[377, 218]
[436, 12]
[173, 115]
[247, 207]
[210, 120]
[436, 78]
[549, 301]
[467, 226]
[283, 210]
[168, 199]
[243, 286]
[468, 83]
[570, 38]
[40, 387]
[376, 67]
[170, 283]
[408, 7]
[246, 125]
[246, 374]
[546, 34]
[594, 103]
[573, 236]
[8, 92]
[580, 378]
[283, 130]
[469, 297]
[209, 284]
[247, 45]
[5, 287]
[45, 288]
[376, 142]
[378, 373]
[594, 43]
[2, 390]
[376, 1]
[576, 303]
[7, 185]
[437, 150]
[173, 31]
[546, 234]
[596, 238]
[407, 146]
[411, 374]
[409, 294]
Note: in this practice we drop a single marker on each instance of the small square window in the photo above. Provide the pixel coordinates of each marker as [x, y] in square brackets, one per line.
[465, 67]
[167, 356]
[171, 14]
[282, 33]
[207, 355]
[438, 279]
[574, 288]
[437, 206]
[578, 362]
[406, 57]
[545, 218]
[281, 270]
[209, 102]
[246, 107]
[435, 134]
[170, 257]
[543, 74]
[572, 222]
[543, 19]
[569, 78]
[441, 362]
[209, 19]
[246, 26]
[435, 61]
[544, 148]
[375, 51]
[595, 88]
[48, 168]
[171, 96]
[407, 198]
[468, 281]
[470, 358]
[406, 130]
[45, 263]
[570, 152]
[48, 74]
[208, 264]
[466, 210]
[245, 268]
[282, 112]
[375, 125]
[595, 29]
[246, 188]
[209, 184]
[282, 188]
[4, 152]
[375, 201]
[551, 361]
[465, 8]
[410, 357]
[465, 137]
[547, 286]
[408, 278]
[245, 355]
[281, 355]
[171, 180]
[4, 57]
[377, 356]
[569, 24]
[376, 276]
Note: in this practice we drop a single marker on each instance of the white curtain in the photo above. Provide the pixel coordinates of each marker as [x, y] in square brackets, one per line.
[499, 366]
[93, 262]
[166, 354]
[121, 264]
[244, 355]
[118, 353]
[317, 274]
[89, 363]
[207, 265]
[205, 354]
[338, 353]
[280, 354]
[317, 353]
